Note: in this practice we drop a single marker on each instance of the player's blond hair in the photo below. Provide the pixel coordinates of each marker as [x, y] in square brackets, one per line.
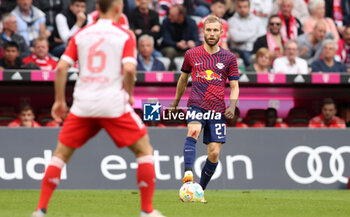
[212, 19]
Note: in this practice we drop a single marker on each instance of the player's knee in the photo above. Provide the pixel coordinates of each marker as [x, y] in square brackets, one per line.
[214, 156]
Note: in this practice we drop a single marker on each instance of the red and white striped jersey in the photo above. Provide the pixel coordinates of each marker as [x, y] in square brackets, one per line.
[101, 48]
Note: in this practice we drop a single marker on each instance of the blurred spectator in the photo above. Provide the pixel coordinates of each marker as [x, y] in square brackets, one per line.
[244, 29]
[145, 60]
[343, 52]
[1, 53]
[30, 21]
[236, 121]
[178, 34]
[26, 118]
[51, 9]
[290, 63]
[230, 9]
[262, 9]
[201, 8]
[345, 6]
[164, 6]
[68, 22]
[11, 58]
[273, 39]
[327, 118]
[271, 120]
[7, 6]
[40, 55]
[327, 63]
[143, 20]
[291, 26]
[299, 9]
[317, 9]
[262, 62]
[217, 9]
[9, 34]
[310, 44]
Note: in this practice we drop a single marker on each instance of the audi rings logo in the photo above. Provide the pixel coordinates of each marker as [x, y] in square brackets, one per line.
[315, 165]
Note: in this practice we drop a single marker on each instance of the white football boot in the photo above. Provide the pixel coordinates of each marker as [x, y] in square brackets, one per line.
[38, 213]
[154, 213]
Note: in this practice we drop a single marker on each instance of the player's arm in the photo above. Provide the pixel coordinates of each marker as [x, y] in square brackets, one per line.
[59, 108]
[180, 88]
[234, 93]
[129, 72]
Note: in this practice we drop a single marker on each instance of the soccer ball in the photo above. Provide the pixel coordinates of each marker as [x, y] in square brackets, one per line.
[191, 192]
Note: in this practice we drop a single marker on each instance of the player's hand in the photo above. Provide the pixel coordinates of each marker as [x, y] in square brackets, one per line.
[59, 111]
[80, 19]
[173, 105]
[230, 112]
[131, 100]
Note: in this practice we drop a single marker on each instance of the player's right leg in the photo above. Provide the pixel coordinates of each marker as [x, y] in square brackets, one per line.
[52, 177]
[194, 129]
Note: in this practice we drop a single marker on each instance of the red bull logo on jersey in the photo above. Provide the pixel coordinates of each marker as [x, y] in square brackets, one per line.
[209, 75]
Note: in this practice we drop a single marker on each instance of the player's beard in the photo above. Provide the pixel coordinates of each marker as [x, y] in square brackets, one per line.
[212, 43]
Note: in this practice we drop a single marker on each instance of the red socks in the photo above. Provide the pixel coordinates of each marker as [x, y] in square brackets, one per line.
[50, 181]
[146, 181]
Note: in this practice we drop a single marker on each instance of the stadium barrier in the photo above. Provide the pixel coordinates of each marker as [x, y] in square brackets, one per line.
[251, 159]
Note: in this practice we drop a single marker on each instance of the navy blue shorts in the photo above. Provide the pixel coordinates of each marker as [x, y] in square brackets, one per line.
[214, 124]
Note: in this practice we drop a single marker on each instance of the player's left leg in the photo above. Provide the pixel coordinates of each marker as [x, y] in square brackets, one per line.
[211, 163]
[52, 177]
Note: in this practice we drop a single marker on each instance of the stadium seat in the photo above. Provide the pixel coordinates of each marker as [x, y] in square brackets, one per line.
[165, 61]
[6, 118]
[254, 115]
[298, 117]
[44, 118]
[178, 63]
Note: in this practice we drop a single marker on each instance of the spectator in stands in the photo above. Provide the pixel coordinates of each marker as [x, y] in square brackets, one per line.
[51, 9]
[178, 34]
[262, 62]
[262, 9]
[299, 9]
[30, 21]
[143, 20]
[26, 118]
[291, 26]
[343, 52]
[164, 6]
[145, 60]
[271, 120]
[317, 9]
[337, 11]
[290, 63]
[217, 9]
[273, 39]
[310, 44]
[11, 58]
[201, 8]
[9, 34]
[230, 8]
[328, 118]
[40, 55]
[345, 6]
[68, 22]
[244, 29]
[236, 121]
[327, 63]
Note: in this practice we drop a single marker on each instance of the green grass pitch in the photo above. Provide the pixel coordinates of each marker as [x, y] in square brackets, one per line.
[221, 203]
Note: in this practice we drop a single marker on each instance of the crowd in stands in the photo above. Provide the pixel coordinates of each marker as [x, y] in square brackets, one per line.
[319, 29]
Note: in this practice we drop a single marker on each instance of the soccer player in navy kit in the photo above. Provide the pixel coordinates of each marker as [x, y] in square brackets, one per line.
[210, 66]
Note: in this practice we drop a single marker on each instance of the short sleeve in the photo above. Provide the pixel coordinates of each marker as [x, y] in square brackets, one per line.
[233, 69]
[186, 65]
[71, 53]
[129, 51]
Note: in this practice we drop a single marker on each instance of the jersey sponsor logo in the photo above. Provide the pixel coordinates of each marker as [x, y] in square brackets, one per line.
[151, 111]
[209, 75]
[220, 65]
